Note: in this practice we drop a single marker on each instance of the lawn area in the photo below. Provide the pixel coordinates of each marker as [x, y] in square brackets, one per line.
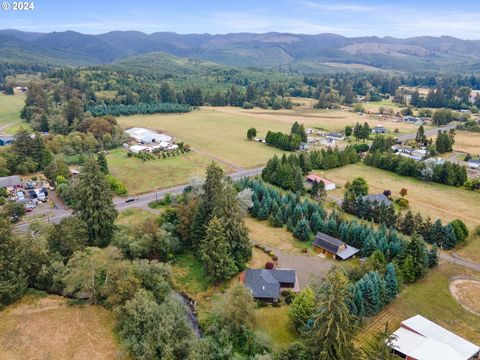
[431, 199]
[432, 299]
[10, 106]
[49, 328]
[375, 105]
[143, 176]
[279, 238]
[274, 321]
[133, 216]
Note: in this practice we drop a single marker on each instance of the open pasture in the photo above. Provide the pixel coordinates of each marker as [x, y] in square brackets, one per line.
[10, 107]
[48, 328]
[143, 176]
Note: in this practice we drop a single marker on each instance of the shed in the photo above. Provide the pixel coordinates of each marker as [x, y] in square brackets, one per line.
[422, 339]
[6, 140]
[328, 245]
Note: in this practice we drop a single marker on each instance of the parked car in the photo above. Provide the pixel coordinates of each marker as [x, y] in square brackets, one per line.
[32, 194]
[29, 185]
[130, 199]
[29, 206]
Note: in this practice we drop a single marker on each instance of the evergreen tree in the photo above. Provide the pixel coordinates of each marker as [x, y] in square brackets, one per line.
[358, 301]
[417, 248]
[215, 252]
[302, 230]
[94, 205]
[102, 162]
[371, 294]
[433, 256]
[302, 308]
[420, 138]
[408, 271]
[391, 283]
[332, 332]
[408, 224]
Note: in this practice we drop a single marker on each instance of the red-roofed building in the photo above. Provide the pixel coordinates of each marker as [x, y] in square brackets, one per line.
[328, 184]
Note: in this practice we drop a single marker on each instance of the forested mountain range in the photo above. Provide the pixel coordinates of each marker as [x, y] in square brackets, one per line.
[278, 51]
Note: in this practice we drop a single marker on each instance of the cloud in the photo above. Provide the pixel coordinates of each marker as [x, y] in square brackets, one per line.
[338, 7]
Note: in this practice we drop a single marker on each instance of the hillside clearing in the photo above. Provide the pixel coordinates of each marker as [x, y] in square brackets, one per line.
[48, 328]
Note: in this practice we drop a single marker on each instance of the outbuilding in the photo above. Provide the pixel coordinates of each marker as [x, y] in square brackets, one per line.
[6, 140]
[10, 182]
[421, 339]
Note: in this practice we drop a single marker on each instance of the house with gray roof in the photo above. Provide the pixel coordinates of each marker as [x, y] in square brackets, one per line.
[6, 140]
[330, 246]
[379, 198]
[266, 284]
[10, 182]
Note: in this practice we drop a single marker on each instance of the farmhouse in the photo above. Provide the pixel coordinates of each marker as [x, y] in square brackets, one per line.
[330, 246]
[315, 178]
[6, 140]
[379, 129]
[10, 182]
[474, 164]
[422, 339]
[146, 136]
[266, 284]
[379, 198]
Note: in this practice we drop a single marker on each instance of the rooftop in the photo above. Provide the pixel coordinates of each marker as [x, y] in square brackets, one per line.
[10, 181]
[266, 283]
[380, 198]
[147, 135]
[422, 339]
[313, 177]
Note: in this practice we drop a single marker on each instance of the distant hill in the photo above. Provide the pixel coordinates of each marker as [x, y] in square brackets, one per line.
[281, 51]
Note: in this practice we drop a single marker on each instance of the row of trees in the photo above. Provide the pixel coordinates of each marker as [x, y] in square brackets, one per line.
[155, 108]
[287, 142]
[446, 173]
[288, 172]
[445, 140]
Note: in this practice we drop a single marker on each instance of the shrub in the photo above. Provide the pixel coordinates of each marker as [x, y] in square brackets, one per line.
[402, 203]
[387, 193]
[275, 258]
[2, 201]
[269, 265]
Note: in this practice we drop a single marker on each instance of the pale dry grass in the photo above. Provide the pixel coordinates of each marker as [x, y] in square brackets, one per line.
[468, 142]
[467, 293]
[47, 328]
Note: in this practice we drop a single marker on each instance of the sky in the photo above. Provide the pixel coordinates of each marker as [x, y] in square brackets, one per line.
[407, 18]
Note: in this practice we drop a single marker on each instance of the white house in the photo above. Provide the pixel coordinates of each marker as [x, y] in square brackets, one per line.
[315, 178]
[421, 339]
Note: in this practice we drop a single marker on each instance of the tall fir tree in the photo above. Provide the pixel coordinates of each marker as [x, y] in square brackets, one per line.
[94, 204]
[102, 162]
[391, 282]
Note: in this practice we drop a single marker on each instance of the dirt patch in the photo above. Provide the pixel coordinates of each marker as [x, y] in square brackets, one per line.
[48, 328]
[467, 293]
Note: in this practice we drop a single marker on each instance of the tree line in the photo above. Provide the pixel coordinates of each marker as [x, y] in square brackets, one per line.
[444, 173]
[287, 142]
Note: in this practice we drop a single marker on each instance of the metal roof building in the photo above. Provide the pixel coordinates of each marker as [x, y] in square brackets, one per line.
[329, 245]
[266, 284]
[10, 181]
[146, 136]
[421, 339]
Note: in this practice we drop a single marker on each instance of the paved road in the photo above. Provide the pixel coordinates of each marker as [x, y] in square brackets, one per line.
[141, 201]
[428, 133]
[459, 261]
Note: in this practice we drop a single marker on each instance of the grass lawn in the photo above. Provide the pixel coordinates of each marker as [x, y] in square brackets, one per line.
[143, 176]
[431, 199]
[133, 216]
[375, 105]
[430, 298]
[274, 321]
[279, 238]
[10, 107]
[48, 328]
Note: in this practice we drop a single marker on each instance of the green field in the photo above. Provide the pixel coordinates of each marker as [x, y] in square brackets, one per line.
[10, 107]
[430, 298]
[140, 177]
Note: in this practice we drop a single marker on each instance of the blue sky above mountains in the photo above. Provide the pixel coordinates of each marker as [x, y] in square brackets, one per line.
[350, 18]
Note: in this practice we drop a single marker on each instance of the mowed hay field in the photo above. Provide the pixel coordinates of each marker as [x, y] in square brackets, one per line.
[431, 298]
[143, 176]
[220, 133]
[47, 328]
[10, 106]
[468, 142]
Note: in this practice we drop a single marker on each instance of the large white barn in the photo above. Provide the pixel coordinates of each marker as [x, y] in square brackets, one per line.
[146, 136]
